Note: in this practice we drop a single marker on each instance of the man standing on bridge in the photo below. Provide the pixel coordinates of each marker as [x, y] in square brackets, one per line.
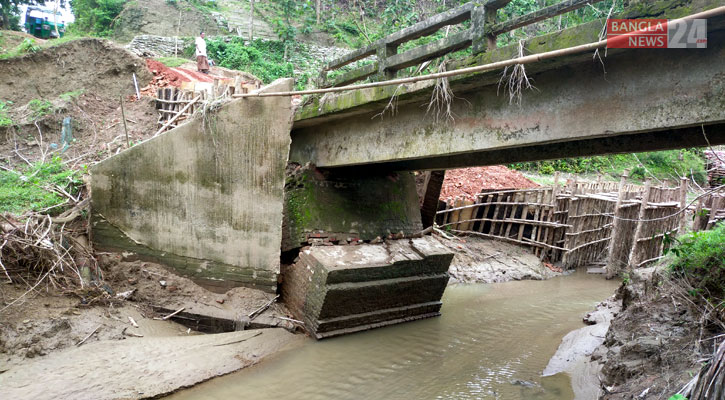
[202, 64]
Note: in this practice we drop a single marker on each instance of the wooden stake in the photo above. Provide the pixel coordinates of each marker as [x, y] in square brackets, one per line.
[169, 122]
[125, 128]
[683, 204]
[612, 268]
[634, 255]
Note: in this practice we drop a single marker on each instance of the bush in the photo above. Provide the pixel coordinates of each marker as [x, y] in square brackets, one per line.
[40, 108]
[700, 262]
[264, 59]
[95, 17]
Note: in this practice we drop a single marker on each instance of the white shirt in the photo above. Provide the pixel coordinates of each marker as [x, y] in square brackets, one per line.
[200, 47]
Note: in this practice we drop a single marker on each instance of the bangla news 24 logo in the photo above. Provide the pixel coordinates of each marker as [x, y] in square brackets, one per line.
[656, 34]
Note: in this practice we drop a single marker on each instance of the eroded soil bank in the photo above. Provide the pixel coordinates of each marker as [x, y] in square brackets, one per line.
[128, 349]
[656, 344]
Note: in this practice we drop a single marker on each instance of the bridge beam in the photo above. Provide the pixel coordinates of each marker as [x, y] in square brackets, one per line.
[646, 100]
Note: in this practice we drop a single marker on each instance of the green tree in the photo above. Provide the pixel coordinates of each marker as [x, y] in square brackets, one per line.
[96, 16]
[10, 8]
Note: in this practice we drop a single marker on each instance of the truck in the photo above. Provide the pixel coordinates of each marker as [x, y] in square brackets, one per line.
[42, 23]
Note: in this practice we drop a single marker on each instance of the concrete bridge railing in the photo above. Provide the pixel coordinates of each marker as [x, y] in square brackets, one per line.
[481, 36]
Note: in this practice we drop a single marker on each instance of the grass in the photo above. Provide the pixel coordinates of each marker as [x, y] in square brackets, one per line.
[29, 46]
[40, 108]
[68, 96]
[700, 261]
[5, 120]
[173, 62]
[30, 188]
[658, 164]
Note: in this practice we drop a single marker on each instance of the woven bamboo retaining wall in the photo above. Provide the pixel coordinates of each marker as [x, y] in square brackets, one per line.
[710, 211]
[573, 228]
[170, 101]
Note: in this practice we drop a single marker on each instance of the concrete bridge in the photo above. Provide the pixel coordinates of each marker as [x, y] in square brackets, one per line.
[217, 199]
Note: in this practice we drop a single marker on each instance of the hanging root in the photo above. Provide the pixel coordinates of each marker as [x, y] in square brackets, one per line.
[392, 104]
[516, 82]
[441, 98]
[603, 34]
[208, 110]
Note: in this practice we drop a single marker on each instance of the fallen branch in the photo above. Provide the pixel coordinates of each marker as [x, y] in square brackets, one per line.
[173, 313]
[290, 320]
[254, 314]
[89, 335]
[132, 334]
[240, 340]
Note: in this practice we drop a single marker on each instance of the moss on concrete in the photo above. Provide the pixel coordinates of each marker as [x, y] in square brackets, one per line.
[356, 207]
[578, 35]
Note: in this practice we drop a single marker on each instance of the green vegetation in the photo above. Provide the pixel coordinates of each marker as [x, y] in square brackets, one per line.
[28, 45]
[660, 164]
[40, 108]
[5, 120]
[10, 13]
[173, 62]
[68, 96]
[262, 59]
[700, 263]
[34, 188]
[95, 17]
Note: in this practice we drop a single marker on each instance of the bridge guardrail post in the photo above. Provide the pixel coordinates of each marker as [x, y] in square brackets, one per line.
[478, 29]
[383, 52]
[322, 79]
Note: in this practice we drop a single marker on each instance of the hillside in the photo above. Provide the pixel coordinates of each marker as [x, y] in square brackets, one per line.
[187, 19]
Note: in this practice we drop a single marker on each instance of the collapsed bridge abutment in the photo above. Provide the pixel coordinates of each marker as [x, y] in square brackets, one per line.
[205, 198]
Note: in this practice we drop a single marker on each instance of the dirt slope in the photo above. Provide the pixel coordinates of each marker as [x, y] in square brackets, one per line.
[467, 182]
[9, 40]
[94, 65]
[157, 17]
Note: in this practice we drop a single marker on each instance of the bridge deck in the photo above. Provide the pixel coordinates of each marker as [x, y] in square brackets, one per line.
[646, 100]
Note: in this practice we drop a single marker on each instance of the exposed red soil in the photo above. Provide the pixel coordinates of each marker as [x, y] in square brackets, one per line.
[165, 76]
[467, 182]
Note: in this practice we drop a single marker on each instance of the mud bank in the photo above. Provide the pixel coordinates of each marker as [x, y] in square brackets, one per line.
[651, 349]
[140, 367]
[574, 355]
[480, 260]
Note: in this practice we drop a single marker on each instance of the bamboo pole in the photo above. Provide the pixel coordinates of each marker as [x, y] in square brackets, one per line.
[125, 128]
[634, 254]
[169, 122]
[482, 68]
[612, 268]
[683, 204]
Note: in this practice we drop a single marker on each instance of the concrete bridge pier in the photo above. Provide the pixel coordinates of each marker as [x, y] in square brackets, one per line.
[345, 279]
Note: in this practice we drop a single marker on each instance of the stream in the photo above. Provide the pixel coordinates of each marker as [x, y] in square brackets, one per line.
[492, 341]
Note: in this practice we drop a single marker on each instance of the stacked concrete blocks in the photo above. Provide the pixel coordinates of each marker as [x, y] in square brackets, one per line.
[337, 290]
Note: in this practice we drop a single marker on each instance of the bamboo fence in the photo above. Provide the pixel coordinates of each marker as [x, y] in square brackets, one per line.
[710, 210]
[172, 101]
[578, 224]
[180, 104]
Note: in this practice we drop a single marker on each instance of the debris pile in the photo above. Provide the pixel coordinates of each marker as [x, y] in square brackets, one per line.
[467, 182]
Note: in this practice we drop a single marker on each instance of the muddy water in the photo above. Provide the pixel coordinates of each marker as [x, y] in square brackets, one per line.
[492, 341]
